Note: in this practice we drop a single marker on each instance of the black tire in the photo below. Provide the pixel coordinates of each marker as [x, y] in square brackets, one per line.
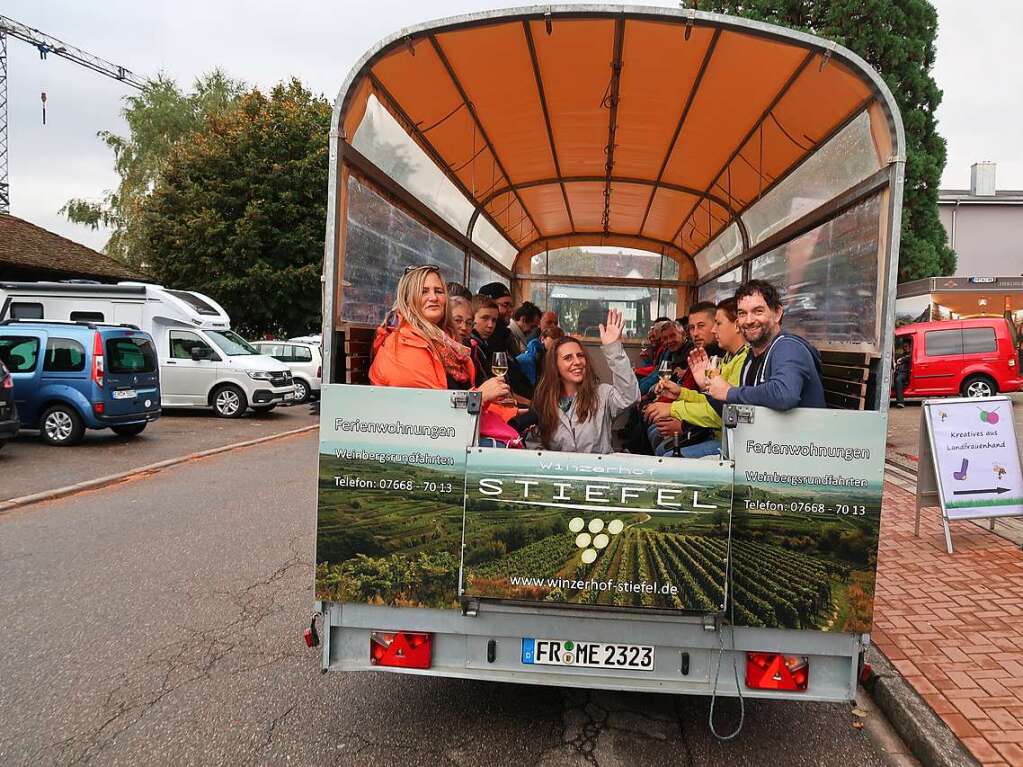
[302, 391]
[129, 430]
[261, 409]
[228, 401]
[2, 443]
[979, 386]
[61, 426]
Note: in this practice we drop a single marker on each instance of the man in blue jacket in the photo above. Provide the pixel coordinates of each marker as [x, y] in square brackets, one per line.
[782, 370]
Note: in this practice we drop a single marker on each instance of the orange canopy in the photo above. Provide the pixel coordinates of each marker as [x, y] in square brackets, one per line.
[660, 127]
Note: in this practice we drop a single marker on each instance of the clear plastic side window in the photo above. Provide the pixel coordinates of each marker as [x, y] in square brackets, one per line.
[381, 241]
[828, 278]
[848, 158]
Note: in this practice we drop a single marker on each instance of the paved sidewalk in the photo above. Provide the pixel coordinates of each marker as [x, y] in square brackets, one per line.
[953, 624]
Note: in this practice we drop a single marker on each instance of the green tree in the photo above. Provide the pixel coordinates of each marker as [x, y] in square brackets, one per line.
[158, 118]
[896, 37]
[237, 211]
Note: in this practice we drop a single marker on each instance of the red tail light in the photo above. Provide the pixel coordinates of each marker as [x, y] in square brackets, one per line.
[98, 407]
[97, 359]
[319, 371]
[774, 671]
[401, 649]
[8, 382]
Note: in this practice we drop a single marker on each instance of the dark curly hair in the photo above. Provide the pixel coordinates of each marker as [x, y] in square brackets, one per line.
[766, 289]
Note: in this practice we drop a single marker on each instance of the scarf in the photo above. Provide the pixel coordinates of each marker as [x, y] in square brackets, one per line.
[455, 358]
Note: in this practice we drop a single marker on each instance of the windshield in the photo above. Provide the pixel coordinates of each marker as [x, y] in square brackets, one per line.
[232, 344]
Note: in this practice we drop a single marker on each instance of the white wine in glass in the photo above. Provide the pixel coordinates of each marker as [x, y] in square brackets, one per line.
[664, 371]
[500, 363]
[712, 368]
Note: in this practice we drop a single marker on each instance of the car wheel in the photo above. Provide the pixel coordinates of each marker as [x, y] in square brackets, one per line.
[2, 443]
[301, 391]
[62, 426]
[263, 408]
[229, 402]
[129, 430]
[979, 386]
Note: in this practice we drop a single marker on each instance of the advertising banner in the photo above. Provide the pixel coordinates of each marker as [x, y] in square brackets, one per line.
[389, 495]
[975, 457]
[609, 530]
[806, 518]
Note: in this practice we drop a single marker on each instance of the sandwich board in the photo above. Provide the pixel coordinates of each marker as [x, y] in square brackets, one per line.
[969, 461]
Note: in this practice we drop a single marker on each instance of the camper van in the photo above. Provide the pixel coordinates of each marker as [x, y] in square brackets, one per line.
[203, 363]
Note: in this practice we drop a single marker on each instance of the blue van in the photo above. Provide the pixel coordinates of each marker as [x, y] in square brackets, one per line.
[70, 376]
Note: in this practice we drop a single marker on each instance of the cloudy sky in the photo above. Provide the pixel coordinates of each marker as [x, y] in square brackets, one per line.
[259, 42]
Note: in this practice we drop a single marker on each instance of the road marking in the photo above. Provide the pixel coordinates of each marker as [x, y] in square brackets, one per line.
[153, 468]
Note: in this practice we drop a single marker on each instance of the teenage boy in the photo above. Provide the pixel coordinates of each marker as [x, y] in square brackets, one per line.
[498, 292]
[782, 370]
[484, 322]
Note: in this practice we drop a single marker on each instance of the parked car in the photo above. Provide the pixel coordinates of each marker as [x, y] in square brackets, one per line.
[73, 376]
[203, 363]
[971, 358]
[9, 423]
[304, 359]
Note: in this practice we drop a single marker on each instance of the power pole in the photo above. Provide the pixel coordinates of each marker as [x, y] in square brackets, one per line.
[45, 44]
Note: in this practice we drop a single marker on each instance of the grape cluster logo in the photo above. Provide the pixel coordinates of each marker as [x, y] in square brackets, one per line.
[595, 537]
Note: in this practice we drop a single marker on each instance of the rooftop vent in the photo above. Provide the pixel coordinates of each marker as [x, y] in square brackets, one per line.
[982, 179]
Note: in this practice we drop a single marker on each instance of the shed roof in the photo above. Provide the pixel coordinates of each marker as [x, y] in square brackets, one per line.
[653, 124]
[27, 246]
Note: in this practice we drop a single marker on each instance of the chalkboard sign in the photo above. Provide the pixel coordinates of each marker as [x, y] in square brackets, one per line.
[969, 460]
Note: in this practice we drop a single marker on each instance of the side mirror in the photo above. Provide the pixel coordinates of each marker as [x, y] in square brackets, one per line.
[201, 353]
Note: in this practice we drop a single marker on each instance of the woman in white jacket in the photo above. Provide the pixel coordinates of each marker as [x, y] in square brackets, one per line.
[573, 408]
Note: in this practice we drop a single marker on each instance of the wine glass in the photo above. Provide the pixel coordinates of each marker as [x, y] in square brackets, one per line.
[713, 368]
[664, 370]
[499, 365]
[663, 375]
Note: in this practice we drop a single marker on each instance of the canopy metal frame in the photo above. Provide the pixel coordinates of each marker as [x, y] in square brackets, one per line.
[342, 156]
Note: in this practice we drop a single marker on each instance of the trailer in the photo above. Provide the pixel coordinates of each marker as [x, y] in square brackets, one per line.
[703, 150]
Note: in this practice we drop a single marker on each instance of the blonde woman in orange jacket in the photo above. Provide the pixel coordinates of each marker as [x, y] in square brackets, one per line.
[416, 347]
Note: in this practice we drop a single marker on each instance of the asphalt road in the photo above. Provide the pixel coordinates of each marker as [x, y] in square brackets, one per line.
[159, 621]
[28, 465]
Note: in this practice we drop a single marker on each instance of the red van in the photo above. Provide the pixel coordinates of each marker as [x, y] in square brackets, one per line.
[970, 358]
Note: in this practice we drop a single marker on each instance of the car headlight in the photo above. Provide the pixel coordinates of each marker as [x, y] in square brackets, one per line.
[259, 375]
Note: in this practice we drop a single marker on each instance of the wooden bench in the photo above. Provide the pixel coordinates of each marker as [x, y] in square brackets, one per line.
[353, 343]
[847, 379]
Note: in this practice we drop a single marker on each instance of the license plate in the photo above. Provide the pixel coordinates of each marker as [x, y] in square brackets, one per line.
[289, 395]
[124, 394]
[568, 652]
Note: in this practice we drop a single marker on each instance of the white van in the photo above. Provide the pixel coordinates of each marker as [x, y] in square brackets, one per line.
[203, 363]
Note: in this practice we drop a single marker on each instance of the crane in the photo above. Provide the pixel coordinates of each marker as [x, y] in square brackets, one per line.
[46, 45]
